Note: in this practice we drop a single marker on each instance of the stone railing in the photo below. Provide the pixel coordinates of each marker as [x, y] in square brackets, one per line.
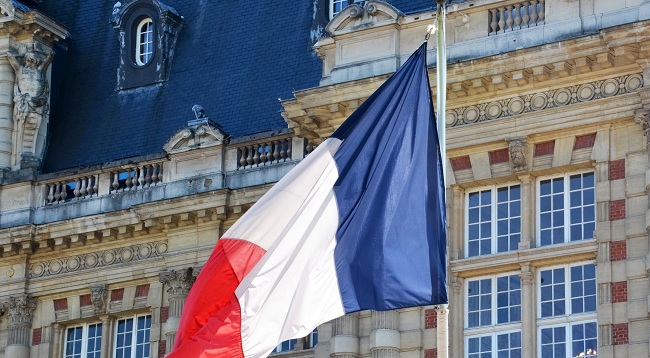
[70, 189]
[516, 16]
[268, 151]
[136, 177]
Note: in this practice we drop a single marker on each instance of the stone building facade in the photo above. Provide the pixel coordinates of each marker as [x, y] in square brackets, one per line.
[548, 126]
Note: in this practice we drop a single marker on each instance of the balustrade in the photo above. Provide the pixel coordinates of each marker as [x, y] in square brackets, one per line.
[72, 189]
[517, 16]
[137, 177]
[270, 151]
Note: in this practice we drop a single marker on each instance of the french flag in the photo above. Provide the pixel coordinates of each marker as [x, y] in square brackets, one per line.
[358, 224]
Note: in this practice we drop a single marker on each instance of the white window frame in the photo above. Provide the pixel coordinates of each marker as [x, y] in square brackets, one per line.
[494, 349]
[292, 345]
[494, 242]
[568, 319]
[84, 339]
[566, 206]
[344, 3]
[145, 28]
[134, 336]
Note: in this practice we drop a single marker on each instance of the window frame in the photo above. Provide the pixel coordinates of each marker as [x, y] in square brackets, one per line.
[566, 207]
[494, 341]
[138, 34]
[568, 336]
[494, 220]
[84, 339]
[134, 336]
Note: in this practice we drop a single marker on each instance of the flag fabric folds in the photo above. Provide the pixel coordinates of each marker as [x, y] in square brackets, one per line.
[358, 224]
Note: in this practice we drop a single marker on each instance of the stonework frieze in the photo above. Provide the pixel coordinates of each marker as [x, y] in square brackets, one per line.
[544, 100]
[117, 256]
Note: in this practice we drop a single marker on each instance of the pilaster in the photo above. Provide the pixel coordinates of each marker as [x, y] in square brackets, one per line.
[456, 250]
[384, 336]
[7, 78]
[527, 212]
[179, 284]
[528, 309]
[20, 311]
[345, 337]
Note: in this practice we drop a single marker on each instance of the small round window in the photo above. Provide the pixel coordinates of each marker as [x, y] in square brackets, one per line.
[144, 42]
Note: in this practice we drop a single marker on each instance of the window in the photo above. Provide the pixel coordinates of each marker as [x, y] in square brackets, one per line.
[337, 6]
[83, 341]
[566, 209]
[567, 311]
[144, 42]
[286, 346]
[493, 220]
[312, 339]
[493, 317]
[132, 337]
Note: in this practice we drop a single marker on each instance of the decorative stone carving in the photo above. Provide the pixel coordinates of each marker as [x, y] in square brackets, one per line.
[20, 311]
[355, 15]
[201, 132]
[178, 282]
[518, 152]
[544, 100]
[31, 99]
[98, 295]
[642, 117]
[98, 259]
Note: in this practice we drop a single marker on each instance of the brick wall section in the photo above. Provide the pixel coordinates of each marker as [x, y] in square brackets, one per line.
[617, 169]
[499, 156]
[620, 334]
[461, 163]
[619, 291]
[584, 141]
[618, 250]
[84, 300]
[430, 318]
[61, 304]
[117, 295]
[544, 148]
[164, 314]
[162, 347]
[431, 353]
[37, 334]
[142, 290]
[617, 210]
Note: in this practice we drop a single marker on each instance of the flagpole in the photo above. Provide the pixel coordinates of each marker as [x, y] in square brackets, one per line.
[442, 342]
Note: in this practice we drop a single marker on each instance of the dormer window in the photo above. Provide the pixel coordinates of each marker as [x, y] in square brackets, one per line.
[147, 30]
[337, 5]
[144, 42]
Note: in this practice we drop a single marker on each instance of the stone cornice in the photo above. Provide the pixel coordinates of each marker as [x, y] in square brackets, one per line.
[16, 22]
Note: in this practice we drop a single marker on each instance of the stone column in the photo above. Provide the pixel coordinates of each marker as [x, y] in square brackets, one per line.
[456, 321]
[107, 329]
[642, 117]
[57, 349]
[384, 336]
[528, 311]
[179, 284]
[456, 220]
[20, 311]
[527, 213]
[345, 337]
[7, 79]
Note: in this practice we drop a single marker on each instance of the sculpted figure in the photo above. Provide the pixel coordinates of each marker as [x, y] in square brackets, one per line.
[31, 88]
[518, 150]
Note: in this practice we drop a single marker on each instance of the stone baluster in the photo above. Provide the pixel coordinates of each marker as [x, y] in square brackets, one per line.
[528, 309]
[20, 311]
[116, 181]
[385, 336]
[251, 154]
[50, 193]
[509, 20]
[179, 284]
[533, 12]
[84, 187]
[256, 158]
[64, 190]
[128, 183]
[287, 144]
[141, 173]
[502, 21]
[263, 149]
[77, 188]
[276, 150]
[517, 19]
[542, 11]
[345, 337]
[525, 18]
[7, 79]
[493, 21]
[57, 192]
[160, 172]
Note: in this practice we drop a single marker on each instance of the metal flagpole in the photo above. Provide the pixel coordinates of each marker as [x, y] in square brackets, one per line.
[442, 342]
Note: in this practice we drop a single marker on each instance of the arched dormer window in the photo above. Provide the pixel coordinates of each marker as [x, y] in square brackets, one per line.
[148, 30]
[144, 41]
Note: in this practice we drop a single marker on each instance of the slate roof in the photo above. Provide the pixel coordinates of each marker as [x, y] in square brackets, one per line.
[234, 58]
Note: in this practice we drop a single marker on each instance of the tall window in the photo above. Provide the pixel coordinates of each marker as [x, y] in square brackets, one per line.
[493, 220]
[144, 42]
[566, 209]
[493, 321]
[83, 341]
[132, 337]
[567, 311]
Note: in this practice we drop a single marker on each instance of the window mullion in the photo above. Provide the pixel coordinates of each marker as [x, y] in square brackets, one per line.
[567, 208]
[494, 220]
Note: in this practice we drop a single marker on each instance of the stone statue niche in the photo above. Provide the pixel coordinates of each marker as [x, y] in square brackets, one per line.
[31, 102]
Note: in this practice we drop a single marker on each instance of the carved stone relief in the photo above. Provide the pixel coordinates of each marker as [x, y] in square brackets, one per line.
[543, 100]
[518, 149]
[642, 117]
[199, 133]
[98, 295]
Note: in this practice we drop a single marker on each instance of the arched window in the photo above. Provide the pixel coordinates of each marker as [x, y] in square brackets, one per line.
[144, 41]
